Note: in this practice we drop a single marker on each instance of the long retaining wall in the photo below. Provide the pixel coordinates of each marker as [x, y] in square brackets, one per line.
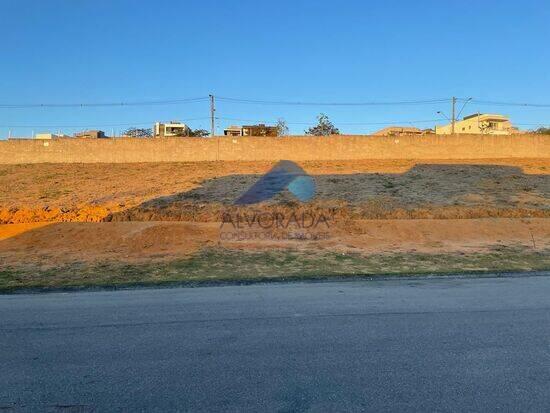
[297, 148]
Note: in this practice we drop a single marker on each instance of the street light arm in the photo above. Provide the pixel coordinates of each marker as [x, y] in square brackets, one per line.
[463, 106]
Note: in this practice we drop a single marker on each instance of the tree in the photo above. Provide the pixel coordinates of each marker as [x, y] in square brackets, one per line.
[138, 133]
[542, 131]
[282, 127]
[199, 133]
[181, 133]
[324, 127]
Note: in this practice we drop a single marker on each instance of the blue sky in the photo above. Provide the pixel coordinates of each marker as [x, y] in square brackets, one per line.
[60, 51]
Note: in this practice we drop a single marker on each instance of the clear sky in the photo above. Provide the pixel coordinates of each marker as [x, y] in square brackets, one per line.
[64, 51]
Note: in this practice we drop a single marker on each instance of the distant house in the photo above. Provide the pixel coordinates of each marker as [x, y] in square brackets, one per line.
[49, 136]
[233, 131]
[171, 130]
[260, 130]
[400, 130]
[90, 134]
[480, 123]
[251, 130]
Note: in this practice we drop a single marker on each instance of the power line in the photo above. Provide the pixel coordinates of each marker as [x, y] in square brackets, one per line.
[218, 118]
[205, 98]
[102, 104]
[177, 101]
[339, 123]
[497, 103]
[95, 124]
[298, 103]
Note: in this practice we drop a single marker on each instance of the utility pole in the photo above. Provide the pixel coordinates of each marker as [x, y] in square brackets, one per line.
[212, 120]
[453, 116]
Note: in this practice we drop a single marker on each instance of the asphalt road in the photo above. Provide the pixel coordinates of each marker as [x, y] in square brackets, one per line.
[480, 344]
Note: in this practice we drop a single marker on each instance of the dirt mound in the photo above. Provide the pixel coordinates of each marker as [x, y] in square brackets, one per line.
[55, 244]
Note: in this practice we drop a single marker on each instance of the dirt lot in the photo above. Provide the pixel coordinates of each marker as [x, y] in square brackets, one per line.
[88, 224]
[198, 191]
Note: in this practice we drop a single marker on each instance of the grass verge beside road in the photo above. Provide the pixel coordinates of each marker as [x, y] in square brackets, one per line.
[217, 264]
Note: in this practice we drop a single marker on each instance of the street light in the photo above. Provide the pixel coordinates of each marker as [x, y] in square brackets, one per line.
[453, 118]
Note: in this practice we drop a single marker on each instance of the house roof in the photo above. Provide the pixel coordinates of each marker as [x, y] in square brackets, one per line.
[486, 116]
[399, 129]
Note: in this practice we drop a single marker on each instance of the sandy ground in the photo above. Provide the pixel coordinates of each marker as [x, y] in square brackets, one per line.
[54, 244]
[197, 191]
[57, 215]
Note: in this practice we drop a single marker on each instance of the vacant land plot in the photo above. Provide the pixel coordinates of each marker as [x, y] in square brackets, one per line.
[197, 191]
[94, 224]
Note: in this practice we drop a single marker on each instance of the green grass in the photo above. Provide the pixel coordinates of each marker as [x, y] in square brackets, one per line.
[233, 265]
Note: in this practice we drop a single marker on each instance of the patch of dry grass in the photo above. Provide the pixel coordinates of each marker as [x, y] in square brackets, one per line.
[218, 264]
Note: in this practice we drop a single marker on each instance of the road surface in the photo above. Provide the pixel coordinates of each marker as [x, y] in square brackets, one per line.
[478, 344]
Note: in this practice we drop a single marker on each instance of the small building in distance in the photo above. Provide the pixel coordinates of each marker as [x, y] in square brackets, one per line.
[252, 130]
[233, 131]
[171, 129]
[50, 136]
[401, 130]
[480, 123]
[90, 134]
[260, 130]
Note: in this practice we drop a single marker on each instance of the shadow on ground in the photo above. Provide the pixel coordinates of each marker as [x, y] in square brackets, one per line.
[424, 191]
